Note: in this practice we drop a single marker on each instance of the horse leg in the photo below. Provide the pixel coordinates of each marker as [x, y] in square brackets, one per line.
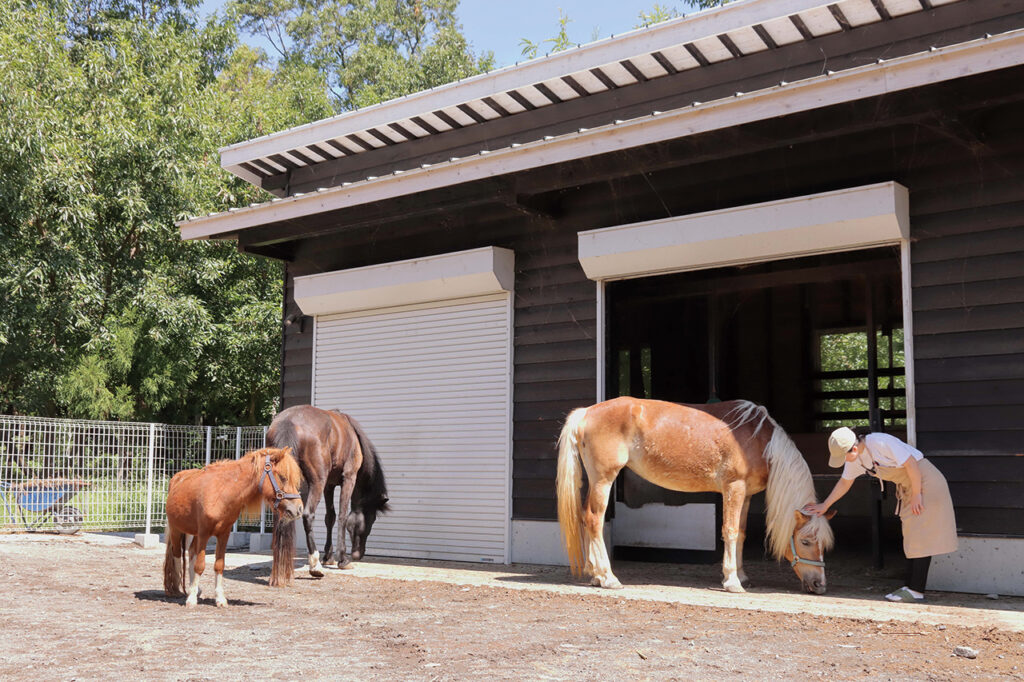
[733, 497]
[218, 569]
[347, 486]
[329, 517]
[309, 506]
[598, 564]
[197, 563]
[740, 540]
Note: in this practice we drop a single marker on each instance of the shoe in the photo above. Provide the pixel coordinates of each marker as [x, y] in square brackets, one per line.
[904, 594]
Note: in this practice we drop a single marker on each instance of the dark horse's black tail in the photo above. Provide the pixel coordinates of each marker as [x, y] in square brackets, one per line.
[371, 491]
[282, 435]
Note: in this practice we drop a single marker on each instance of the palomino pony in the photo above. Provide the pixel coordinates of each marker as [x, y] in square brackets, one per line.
[332, 449]
[204, 503]
[733, 448]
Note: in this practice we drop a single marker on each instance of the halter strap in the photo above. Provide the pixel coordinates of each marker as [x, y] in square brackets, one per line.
[268, 470]
[797, 559]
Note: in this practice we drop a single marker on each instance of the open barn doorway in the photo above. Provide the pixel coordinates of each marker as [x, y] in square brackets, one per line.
[818, 340]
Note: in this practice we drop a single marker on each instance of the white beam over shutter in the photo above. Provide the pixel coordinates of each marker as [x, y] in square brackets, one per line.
[855, 218]
[476, 272]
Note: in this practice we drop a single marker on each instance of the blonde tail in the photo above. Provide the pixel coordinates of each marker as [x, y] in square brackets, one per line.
[568, 483]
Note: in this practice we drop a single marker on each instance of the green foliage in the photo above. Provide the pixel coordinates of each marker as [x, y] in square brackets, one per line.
[113, 114]
[848, 351]
[369, 51]
[559, 43]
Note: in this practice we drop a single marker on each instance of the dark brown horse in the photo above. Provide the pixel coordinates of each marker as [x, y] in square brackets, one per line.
[733, 448]
[332, 450]
[204, 503]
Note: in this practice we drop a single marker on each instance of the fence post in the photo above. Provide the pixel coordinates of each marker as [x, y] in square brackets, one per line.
[149, 540]
[238, 455]
[263, 505]
[209, 435]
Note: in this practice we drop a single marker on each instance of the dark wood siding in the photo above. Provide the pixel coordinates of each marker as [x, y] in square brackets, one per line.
[958, 147]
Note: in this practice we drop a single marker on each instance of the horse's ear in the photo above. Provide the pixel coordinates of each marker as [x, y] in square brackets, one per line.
[830, 514]
[800, 517]
[277, 454]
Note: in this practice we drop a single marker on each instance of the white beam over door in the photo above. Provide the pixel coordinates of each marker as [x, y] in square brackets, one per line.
[855, 218]
[476, 272]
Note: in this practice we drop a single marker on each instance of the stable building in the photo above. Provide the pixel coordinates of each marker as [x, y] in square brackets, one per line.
[814, 205]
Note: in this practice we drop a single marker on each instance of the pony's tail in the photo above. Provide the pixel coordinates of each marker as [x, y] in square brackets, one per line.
[173, 579]
[283, 546]
[568, 483]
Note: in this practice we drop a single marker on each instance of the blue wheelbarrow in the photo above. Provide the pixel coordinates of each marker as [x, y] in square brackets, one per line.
[40, 501]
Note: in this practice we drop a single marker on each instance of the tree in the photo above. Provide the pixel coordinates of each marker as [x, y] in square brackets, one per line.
[113, 113]
[368, 50]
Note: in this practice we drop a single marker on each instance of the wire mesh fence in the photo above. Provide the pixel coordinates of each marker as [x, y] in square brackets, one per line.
[64, 474]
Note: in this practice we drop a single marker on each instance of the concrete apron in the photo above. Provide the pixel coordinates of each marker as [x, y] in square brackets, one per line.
[556, 579]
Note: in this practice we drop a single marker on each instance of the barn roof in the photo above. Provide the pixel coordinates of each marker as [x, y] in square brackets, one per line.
[738, 30]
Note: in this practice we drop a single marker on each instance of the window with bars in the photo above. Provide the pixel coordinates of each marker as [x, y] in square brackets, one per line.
[844, 379]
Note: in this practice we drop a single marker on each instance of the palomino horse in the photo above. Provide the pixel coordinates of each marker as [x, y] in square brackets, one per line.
[332, 449]
[204, 503]
[733, 448]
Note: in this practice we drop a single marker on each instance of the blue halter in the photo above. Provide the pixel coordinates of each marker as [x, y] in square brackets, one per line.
[797, 559]
[268, 470]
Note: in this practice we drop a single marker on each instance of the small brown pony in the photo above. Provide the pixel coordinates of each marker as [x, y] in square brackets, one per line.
[204, 503]
[733, 448]
[332, 450]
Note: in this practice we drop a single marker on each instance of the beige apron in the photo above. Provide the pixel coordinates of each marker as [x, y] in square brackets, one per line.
[933, 531]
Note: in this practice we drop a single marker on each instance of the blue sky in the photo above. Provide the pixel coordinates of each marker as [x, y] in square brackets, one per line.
[500, 25]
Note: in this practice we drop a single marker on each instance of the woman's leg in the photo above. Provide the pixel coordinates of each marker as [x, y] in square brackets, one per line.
[917, 573]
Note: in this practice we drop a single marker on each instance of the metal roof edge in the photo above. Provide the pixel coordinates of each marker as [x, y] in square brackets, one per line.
[662, 35]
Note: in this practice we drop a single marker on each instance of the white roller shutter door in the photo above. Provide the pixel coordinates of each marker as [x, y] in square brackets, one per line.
[431, 384]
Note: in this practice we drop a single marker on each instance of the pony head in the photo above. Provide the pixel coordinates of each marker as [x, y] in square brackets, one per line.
[280, 485]
[806, 552]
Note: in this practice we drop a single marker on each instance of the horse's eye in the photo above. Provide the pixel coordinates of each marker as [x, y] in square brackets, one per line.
[805, 543]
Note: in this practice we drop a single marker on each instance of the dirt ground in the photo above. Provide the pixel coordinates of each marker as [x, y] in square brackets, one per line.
[92, 607]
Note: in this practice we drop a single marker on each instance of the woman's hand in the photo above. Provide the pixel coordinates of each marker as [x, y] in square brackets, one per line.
[916, 505]
[815, 509]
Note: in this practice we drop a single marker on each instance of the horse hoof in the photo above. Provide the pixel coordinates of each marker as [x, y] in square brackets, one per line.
[606, 583]
[347, 566]
[735, 588]
[316, 572]
[330, 562]
[189, 604]
[222, 603]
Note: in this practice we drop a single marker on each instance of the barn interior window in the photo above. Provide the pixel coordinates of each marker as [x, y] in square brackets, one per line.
[842, 394]
[627, 369]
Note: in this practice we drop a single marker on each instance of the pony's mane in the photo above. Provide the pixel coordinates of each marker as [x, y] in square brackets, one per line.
[790, 485]
[287, 466]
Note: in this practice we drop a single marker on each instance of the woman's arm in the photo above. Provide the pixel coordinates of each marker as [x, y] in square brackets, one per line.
[914, 473]
[842, 487]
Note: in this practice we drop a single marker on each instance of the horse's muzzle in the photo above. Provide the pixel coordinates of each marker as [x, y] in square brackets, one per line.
[290, 512]
[815, 586]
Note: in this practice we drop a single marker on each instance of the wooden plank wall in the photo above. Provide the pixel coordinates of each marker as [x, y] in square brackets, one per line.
[963, 164]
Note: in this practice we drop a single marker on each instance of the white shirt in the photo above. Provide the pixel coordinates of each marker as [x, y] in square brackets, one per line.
[882, 450]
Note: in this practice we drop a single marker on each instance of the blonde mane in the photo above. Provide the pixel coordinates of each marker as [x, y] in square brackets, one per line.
[790, 485]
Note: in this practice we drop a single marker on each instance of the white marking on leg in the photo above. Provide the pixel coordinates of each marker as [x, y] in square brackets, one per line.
[315, 569]
[193, 585]
[219, 590]
[731, 581]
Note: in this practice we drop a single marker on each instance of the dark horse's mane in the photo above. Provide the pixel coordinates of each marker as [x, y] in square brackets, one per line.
[371, 491]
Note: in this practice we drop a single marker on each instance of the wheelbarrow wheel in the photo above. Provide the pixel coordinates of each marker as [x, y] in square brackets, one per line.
[67, 520]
